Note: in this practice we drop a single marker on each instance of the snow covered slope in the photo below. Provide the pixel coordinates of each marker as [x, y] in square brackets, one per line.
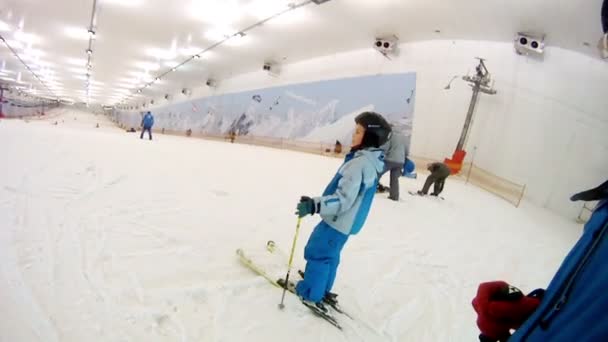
[106, 237]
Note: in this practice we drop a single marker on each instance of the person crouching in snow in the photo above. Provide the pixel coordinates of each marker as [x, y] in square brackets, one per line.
[343, 209]
[439, 172]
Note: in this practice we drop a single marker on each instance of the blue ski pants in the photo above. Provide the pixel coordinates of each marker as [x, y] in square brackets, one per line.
[322, 254]
[144, 130]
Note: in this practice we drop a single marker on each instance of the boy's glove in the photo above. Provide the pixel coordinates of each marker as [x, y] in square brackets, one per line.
[501, 307]
[306, 206]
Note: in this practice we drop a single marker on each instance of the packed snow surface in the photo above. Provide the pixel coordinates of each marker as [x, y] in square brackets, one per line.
[106, 237]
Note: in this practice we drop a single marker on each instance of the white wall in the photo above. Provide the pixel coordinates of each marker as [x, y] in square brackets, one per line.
[546, 128]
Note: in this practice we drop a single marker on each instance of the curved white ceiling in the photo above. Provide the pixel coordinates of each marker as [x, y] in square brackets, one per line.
[139, 39]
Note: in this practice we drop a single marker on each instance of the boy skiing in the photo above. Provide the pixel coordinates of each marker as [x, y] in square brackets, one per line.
[343, 208]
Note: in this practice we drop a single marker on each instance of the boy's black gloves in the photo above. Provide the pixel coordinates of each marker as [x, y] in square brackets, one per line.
[306, 207]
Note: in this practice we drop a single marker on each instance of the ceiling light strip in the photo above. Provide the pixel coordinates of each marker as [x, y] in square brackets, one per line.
[213, 46]
[26, 66]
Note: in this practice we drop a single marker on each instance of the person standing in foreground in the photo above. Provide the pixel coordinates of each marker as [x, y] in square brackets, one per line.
[343, 208]
[146, 123]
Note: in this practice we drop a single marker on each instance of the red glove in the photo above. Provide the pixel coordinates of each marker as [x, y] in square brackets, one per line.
[501, 307]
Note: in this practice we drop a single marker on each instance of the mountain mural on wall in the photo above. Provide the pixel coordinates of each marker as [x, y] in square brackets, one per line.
[317, 111]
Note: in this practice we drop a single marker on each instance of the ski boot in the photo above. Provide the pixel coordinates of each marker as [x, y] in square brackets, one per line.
[321, 310]
[317, 307]
[331, 299]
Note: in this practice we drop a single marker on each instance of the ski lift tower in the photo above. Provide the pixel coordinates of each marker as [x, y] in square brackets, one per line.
[480, 83]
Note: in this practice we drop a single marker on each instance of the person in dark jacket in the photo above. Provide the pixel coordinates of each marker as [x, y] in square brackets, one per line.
[439, 172]
[146, 123]
[396, 151]
[574, 305]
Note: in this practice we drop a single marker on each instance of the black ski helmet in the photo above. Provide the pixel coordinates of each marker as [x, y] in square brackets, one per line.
[377, 129]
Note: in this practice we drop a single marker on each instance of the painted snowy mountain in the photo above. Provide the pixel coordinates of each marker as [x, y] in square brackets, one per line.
[317, 111]
[260, 119]
[340, 130]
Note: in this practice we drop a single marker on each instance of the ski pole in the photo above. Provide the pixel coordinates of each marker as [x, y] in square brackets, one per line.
[293, 248]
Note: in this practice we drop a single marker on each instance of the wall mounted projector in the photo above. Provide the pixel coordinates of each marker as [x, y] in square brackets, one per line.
[386, 46]
[530, 44]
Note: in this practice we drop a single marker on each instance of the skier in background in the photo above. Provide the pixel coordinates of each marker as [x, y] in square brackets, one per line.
[343, 208]
[338, 147]
[439, 172]
[396, 151]
[146, 123]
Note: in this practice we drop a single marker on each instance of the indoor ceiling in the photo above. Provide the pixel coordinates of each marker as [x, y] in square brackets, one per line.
[137, 40]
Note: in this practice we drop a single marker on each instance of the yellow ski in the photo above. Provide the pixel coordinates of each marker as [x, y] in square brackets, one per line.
[247, 262]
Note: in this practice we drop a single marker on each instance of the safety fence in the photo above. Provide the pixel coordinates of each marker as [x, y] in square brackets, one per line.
[470, 173]
[27, 112]
[501, 187]
[280, 143]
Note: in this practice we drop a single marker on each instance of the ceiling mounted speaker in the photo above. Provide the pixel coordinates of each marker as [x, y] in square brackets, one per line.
[530, 44]
[387, 45]
[211, 83]
[272, 68]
